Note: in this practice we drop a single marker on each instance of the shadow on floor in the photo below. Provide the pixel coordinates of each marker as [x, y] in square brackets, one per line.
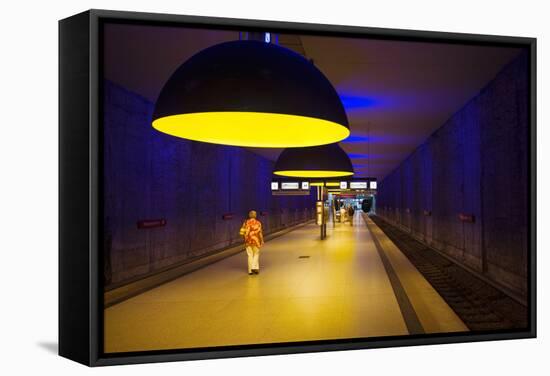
[50, 347]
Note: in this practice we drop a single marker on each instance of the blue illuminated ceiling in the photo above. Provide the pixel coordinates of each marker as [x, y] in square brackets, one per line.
[395, 93]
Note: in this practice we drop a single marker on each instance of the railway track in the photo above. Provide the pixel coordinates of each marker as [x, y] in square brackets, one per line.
[480, 306]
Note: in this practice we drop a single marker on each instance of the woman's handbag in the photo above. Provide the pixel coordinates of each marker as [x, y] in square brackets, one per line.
[244, 230]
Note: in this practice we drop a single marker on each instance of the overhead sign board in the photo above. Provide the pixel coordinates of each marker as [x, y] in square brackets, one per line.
[372, 185]
[343, 185]
[274, 185]
[290, 185]
[358, 185]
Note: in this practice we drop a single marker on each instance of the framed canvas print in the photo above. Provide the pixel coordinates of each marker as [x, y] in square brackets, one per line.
[239, 187]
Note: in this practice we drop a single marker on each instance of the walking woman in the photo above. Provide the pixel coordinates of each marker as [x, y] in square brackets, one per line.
[253, 239]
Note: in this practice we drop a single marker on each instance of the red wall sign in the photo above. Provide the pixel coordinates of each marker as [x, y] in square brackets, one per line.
[151, 223]
[467, 217]
[352, 195]
[227, 216]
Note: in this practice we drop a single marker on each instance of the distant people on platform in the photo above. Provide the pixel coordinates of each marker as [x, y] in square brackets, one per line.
[343, 214]
[253, 235]
[336, 210]
[351, 213]
[366, 205]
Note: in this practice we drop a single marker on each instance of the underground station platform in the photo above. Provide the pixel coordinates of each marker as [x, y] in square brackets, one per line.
[354, 284]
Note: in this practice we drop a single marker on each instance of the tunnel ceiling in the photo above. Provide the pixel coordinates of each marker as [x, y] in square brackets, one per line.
[395, 93]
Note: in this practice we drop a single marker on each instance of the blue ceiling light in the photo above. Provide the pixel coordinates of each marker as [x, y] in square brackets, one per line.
[351, 139]
[358, 156]
[357, 102]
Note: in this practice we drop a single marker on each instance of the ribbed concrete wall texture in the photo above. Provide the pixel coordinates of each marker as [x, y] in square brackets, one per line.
[464, 191]
[149, 175]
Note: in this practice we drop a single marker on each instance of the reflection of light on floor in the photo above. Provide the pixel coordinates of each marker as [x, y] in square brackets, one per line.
[341, 291]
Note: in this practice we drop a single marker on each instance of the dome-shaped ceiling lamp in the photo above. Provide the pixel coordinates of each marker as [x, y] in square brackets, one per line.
[324, 161]
[250, 93]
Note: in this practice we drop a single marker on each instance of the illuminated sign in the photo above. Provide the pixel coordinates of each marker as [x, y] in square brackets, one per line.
[274, 185]
[343, 185]
[319, 217]
[372, 185]
[305, 185]
[358, 185]
[289, 185]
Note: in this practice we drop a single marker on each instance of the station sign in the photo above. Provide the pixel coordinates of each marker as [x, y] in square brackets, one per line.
[290, 185]
[361, 185]
[293, 188]
[151, 223]
[358, 185]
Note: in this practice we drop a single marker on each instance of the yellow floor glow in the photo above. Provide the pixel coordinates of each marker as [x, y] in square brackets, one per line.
[340, 291]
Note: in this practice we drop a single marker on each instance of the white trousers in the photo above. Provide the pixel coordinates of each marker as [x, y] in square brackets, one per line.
[253, 253]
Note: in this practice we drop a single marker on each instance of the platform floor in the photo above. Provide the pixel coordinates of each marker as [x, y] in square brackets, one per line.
[341, 289]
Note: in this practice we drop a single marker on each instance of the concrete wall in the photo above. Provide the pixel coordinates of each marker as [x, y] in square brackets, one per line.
[475, 164]
[150, 175]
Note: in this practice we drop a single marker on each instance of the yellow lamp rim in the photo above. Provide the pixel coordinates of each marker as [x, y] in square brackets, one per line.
[313, 173]
[252, 129]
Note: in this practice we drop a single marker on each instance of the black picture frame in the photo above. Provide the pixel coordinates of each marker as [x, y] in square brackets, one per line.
[80, 182]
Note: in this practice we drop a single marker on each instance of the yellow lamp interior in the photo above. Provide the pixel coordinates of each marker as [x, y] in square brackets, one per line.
[257, 129]
[312, 173]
